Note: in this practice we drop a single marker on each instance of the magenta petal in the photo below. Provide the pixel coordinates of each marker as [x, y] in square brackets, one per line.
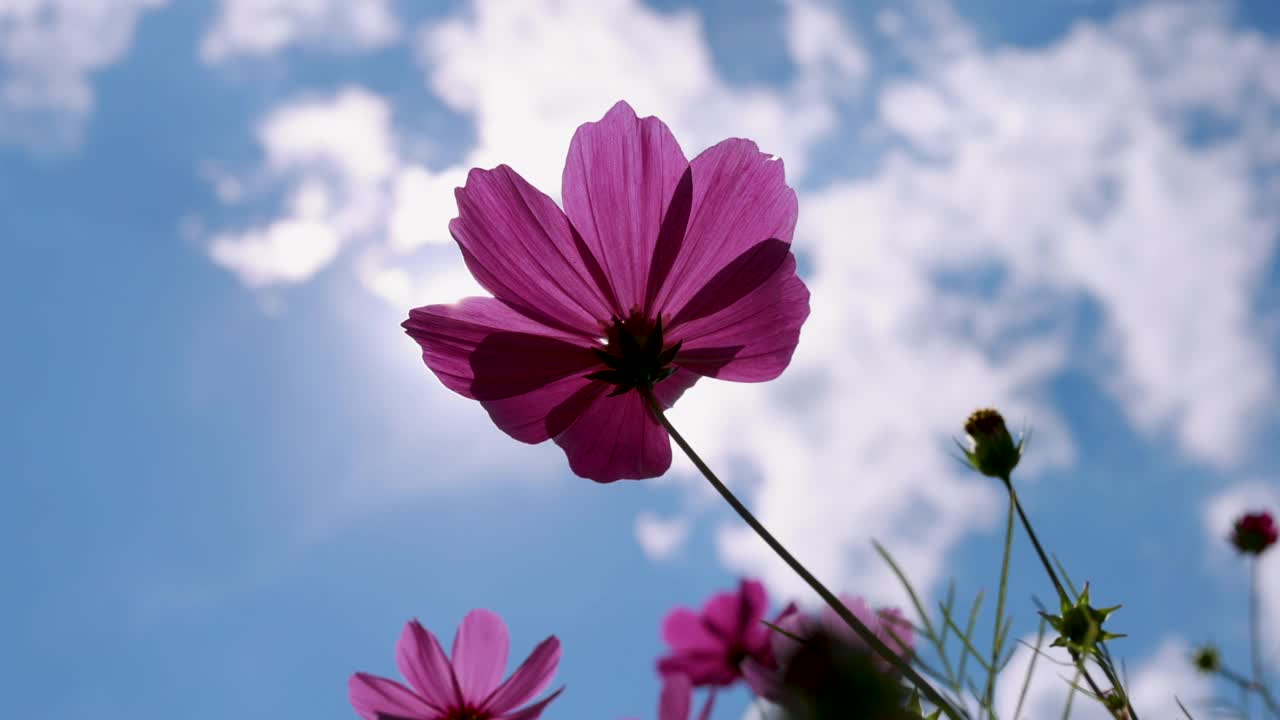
[424, 665]
[531, 678]
[376, 698]
[739, 198]
[683, 629]
[702, 667]
[521, 247]
[752, 339]
[533, 711]
[480, 655]
[618, 180]
[732, 614]
[676, 697]
[616, 438]
[523, 372]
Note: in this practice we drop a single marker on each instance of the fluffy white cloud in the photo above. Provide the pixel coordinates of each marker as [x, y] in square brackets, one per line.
[263, 27]
[661, 537]
[337, 158]
[1055, 176]
[48, 51]
[1045, 178]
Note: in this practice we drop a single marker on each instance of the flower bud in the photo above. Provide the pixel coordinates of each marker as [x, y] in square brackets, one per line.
[1207, 660]
[1079, 626]
[993, 450]
[1254, 533]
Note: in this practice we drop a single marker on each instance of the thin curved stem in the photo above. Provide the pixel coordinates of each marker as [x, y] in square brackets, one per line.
[996, 641]
[1255, 641]
[848, 617]
[1062, 595]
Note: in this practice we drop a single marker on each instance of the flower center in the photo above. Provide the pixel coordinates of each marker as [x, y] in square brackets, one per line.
[635, 354]
[465, 713]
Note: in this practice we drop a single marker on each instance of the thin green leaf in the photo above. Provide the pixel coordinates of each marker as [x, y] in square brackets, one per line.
[1031, 667]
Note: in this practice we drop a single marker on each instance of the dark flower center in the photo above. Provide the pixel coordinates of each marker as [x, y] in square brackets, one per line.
[635, 354]
[466, 713]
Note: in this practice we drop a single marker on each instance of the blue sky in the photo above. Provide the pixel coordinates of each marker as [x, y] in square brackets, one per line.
[228, 479]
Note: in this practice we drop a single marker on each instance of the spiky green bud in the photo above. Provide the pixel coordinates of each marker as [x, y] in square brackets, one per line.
[1079, 626]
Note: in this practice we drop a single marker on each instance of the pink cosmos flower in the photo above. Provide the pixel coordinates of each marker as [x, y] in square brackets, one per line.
[468, 688]
[1253, 533]
[888, 624]
[709, 647]
[657, 272]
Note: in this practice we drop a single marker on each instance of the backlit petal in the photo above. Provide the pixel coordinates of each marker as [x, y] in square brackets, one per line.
[423, 663]
[531, 678]
[480, 654]
[377, 698]
[616, 438]
[524, 373]
[521, 247]
[619, 177]
[739, 199]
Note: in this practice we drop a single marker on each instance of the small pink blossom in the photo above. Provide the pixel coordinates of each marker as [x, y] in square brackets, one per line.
[709, 646]
[888, 624]
[470, 687]
[1253, 533]
[659, 271]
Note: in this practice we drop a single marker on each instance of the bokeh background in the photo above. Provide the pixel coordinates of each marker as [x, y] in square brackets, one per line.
[226, 479]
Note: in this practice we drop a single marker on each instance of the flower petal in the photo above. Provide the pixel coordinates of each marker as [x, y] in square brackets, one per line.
[676, 697]
[702, 667]
[524, 373]
[732, 614]
[522, 248]
[617, 438]
[424, 665]
[619, 177]
[745, 336]
[377, 698]
[531, 678]
[480, 654]
[533, 711]
[683, 629]
[739, 199]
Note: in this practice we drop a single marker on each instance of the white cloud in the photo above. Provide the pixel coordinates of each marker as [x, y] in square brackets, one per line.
[48, 51]
[1065, 171]
[660, 537]
[264, 27]
[1067, 174]
[1156, 686]
[336, 156]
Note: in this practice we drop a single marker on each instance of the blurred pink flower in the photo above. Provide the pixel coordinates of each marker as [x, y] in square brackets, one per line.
[468, 688]
[888, 624]
[1253, 533]
[657, 272]
[709, 647]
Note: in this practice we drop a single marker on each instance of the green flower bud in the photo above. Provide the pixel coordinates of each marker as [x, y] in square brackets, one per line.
[1079, 626]
[993, 451]
[1207, 659]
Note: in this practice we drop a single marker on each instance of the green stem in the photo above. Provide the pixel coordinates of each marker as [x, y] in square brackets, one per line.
[1004, 585]
[848, 617]
[1255, 640]
[1247, 686]
[1062, 595]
